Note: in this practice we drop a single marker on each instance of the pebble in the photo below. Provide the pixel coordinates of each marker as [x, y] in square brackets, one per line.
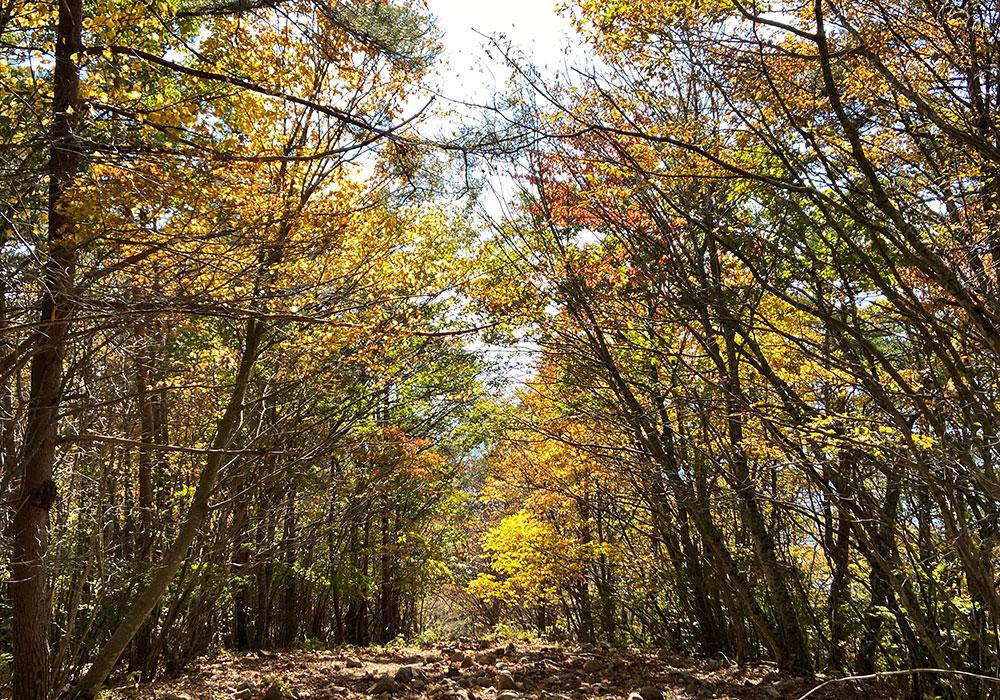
[247, 689]
[650, 692]
[505, 681]
[385, 684]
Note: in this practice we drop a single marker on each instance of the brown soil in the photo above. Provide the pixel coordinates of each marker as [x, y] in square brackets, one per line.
[470, 671]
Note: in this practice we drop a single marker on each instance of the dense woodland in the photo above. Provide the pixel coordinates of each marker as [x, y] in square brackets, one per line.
[253, 330]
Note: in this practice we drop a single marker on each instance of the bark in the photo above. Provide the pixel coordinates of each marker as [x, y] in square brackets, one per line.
[290, 593]
[29, 528]
[147, 438]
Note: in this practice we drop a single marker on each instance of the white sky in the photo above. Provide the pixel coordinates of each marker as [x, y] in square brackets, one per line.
[532, 25]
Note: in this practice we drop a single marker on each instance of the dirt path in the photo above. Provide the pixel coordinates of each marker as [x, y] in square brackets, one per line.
[480, 672]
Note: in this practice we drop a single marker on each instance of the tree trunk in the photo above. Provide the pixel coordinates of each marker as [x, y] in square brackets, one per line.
[292, 610]
[29, 529]
[147, 438]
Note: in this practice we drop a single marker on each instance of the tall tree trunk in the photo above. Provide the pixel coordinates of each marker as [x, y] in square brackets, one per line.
[292, 610]
[147, 438]
[29, 593]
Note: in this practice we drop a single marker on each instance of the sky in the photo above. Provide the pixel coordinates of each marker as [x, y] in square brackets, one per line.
[533, 26]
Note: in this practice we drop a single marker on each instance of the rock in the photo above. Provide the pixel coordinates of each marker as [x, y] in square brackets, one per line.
[405, 674]
[417, 684]
[524, 660]
[592, 666]
[634, 696]
[353, 662]
[505, 681]
[650, 692]
[453, 671]
[468, 662]
[276, 692]
[507, 695]
[488, 659]
[385, 684]
[247, 689]
[569, 681]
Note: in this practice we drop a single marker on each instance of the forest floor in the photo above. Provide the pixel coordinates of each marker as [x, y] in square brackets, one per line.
[477, 671]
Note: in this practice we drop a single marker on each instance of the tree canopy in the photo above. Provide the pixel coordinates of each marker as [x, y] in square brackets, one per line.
[251, 322]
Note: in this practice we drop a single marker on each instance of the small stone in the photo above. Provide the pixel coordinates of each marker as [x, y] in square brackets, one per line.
[468, 662]
[650, 692]
[568, 681]
[592, 666]
[505, 681]
[417, 684]
[353, 662]
[385, 684]
[405, 674]
[488, 659]
[507, 695]
[249, 684]
[276, 692]
[546, 695]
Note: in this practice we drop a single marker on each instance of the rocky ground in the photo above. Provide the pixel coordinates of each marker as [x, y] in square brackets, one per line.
[478, 671]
